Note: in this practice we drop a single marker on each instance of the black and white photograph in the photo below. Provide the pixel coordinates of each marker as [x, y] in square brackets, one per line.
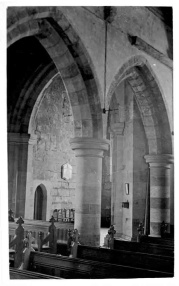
[90, 142]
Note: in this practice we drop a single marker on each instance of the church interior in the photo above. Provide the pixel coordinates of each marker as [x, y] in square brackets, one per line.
[90, 139]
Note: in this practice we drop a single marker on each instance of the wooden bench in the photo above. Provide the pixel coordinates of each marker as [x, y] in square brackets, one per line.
[144, 247]
[72, 268]
[23, 245]
[102, 263]
[167, 242]
[127, 258]
[25, 274]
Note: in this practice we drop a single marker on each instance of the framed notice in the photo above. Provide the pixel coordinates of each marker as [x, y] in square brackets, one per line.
[127, 188]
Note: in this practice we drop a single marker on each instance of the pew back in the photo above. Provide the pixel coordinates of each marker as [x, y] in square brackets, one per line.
[144, 247]
[167, 242]
[72, 268]
[25, 274]
[128, 258]
[42, 226]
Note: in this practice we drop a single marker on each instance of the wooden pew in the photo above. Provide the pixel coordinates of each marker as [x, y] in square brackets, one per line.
[143, 247]
[43, 241]
[79, 268]
[18, 243]
[104, 263]
[168, 242]
[22, 257]
[25, 274]
[72, 268]
[11, 257]
[51, 238]
[128, 258]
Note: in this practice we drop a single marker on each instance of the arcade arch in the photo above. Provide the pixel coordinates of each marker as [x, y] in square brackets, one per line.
[139, 133]
[63, 52]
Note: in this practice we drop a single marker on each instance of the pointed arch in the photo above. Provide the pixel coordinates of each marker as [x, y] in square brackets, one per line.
[148, 95]
[59, 39]
[40, 203]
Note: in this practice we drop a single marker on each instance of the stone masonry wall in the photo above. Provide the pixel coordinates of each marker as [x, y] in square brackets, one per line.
[54, 128]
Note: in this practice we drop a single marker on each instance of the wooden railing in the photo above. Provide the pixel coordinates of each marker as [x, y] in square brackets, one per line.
[24, 242]
[36, 226]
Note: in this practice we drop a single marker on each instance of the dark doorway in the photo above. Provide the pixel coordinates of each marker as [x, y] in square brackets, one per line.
[38, 203]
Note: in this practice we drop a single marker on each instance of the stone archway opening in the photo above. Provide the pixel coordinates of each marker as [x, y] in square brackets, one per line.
[67, 52]
[56, 36]
[141, 127]
[126, 164]
[40, 203]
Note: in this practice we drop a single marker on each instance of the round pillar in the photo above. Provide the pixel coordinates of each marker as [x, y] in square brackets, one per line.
[89, 153]
[159, 191]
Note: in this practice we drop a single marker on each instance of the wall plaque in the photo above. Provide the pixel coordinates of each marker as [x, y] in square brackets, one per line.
[66, 171]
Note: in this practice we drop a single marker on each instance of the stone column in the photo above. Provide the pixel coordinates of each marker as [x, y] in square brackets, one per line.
[17, 171]
[89, 153]
[29, 205]
[159, 191]
[116, 131]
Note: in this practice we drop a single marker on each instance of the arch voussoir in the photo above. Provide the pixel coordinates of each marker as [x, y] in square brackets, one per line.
[69, 72]
[150, 102]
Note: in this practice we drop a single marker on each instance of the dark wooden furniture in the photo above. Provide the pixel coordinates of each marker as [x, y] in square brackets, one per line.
[72, 268]
[25, 274]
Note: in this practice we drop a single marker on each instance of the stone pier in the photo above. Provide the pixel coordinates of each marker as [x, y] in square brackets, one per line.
[159, 191]
[89, 153]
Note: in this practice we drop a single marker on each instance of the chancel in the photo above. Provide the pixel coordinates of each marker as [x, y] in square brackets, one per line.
[90, 142]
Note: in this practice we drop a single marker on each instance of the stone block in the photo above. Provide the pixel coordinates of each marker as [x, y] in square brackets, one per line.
[24, 28]
[87, 129]
[74, 98]
[85, 112]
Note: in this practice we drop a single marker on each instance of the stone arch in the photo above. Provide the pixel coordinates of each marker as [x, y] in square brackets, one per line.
[40, 202]
[148, 95]
[57, 36]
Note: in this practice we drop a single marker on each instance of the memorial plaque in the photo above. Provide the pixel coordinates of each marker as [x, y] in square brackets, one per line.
[66, 171]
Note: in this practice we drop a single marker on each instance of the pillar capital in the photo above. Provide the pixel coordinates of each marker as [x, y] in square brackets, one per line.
[117, 128]
[159, 160]
[88, 146]
[18, 138]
